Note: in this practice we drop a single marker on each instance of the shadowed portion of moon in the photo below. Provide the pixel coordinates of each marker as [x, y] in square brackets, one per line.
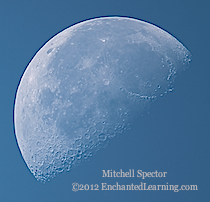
[86, 85]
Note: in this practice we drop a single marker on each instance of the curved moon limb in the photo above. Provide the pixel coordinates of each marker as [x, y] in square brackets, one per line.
[86, 85]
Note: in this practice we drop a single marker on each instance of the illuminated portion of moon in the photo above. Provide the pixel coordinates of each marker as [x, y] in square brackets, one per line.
[86, 85]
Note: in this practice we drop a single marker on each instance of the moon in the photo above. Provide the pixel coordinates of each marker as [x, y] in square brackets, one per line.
[86, 85]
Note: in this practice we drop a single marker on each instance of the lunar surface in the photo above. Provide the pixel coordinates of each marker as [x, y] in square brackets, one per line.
[86, 85]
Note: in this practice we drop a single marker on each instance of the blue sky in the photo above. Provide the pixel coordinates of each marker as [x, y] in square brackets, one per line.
[174, 135]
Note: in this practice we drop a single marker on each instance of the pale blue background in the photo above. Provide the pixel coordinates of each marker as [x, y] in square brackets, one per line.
[173, 137]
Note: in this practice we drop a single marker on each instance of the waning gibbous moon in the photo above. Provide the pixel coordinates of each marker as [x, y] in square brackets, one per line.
[86, 85]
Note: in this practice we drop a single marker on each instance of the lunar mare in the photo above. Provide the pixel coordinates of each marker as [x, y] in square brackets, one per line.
[86, 85]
